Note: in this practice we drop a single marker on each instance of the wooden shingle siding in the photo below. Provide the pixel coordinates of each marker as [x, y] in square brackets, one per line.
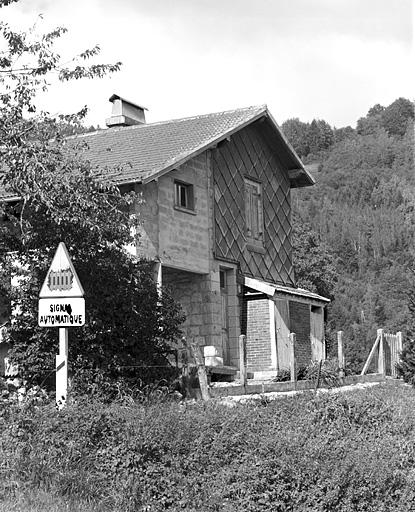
[246, 155]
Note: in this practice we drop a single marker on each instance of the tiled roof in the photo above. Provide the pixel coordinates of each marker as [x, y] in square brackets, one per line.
[146, 151]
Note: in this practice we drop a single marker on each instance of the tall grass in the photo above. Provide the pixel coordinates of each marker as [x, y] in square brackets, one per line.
[345, 452]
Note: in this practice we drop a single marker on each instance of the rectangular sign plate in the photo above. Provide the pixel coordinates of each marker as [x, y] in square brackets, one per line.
[62, 312]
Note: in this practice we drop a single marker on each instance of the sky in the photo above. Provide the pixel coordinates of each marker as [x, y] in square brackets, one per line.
[323, 59]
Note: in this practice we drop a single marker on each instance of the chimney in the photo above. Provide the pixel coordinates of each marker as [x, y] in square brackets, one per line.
[125, 113]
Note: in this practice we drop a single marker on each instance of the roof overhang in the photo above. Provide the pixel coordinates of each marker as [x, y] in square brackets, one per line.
[297, 173]
[285, 292]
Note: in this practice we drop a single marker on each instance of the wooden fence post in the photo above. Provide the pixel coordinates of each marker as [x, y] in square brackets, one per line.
[201, 370]
[242, 359]
[397, 354]
[340, 353]
[293, 366]
[400, 345]
[372, 353]
[381, 356]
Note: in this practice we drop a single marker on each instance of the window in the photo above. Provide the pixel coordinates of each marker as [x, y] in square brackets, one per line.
[253, 212]
[183, 196]
[222, 279]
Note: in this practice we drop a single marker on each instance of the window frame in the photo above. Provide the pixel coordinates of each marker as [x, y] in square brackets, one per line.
[189, 201]
[254, 214]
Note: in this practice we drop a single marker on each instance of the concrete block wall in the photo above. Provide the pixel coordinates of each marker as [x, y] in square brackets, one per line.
[148, 233]
[256, 323]
[184, 235]
[176, 237]
[201, 303]
[300, 324]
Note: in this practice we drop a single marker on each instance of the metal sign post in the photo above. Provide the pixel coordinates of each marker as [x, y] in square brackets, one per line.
[62, 368]
[61, 304]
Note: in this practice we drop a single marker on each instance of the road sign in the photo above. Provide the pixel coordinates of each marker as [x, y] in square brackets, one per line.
[62, 312]
[61, 279]
[61, 304]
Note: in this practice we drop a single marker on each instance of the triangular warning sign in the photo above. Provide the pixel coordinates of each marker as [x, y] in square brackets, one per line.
[61, 279]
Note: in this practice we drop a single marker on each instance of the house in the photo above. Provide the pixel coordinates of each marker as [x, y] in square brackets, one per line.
[216, 222]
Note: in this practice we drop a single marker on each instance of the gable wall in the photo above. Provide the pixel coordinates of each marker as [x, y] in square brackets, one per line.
[247, 155]
[178, 238]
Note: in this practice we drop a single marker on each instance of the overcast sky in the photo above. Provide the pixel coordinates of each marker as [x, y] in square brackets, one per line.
[326, 59]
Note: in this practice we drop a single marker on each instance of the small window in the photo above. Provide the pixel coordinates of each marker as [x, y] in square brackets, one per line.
[222, 278]
[254, 222]
[183, 195]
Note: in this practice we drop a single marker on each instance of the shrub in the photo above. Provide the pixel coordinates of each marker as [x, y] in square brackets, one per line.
[332, 452]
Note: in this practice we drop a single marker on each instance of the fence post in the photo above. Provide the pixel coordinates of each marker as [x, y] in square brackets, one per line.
[399, 347]
[293, 366]
[381, 357]
[398, 351]
[340, 353]
[242, 359]
[201, 370]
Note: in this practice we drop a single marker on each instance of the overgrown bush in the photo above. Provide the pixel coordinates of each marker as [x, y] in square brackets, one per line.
[342, 453]
[406, 366]
[325, 373]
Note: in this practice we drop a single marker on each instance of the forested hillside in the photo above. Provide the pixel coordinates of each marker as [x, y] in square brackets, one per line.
[355, 229]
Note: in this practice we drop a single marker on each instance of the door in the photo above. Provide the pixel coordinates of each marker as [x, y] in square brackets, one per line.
[317, 333]
[282, 332]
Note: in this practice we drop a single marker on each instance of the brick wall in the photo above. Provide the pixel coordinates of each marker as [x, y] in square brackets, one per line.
[255, 323]
[300, 324]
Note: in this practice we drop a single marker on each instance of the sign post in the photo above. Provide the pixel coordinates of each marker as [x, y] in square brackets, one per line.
[61, 304]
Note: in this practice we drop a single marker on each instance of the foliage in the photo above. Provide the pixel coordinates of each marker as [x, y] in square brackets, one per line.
[325, 373]
[348, 452]
[64, 198]
[313, 262]
[361, 212]
[308, 138]
[406, 367]
[394, 119]
[296, 132]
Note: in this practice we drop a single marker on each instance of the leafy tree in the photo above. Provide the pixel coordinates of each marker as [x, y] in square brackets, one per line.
[406, 368]
[363, 209]
[376, 110]
[296, 132]
[397, 115]
[341, 134]
[320, 136]
[313, 262]
[62, 197]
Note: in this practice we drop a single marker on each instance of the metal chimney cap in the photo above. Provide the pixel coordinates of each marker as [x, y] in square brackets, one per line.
[118, 97]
